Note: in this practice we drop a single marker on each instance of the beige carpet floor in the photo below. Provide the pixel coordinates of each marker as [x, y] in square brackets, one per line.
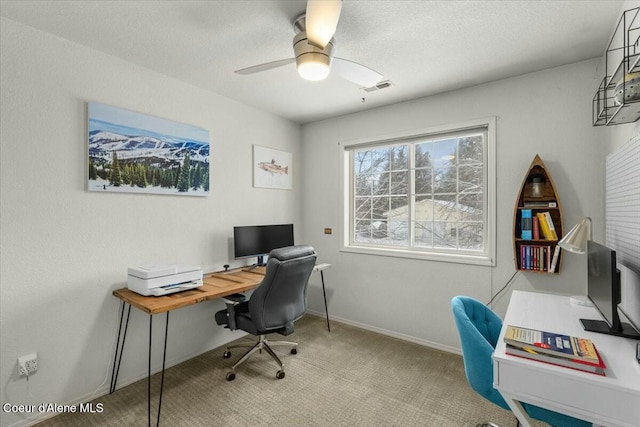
[346, 377]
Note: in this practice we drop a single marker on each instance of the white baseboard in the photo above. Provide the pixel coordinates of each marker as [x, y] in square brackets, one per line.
[386, 332]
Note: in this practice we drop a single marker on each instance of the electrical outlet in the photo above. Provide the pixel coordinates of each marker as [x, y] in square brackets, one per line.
[27, 364]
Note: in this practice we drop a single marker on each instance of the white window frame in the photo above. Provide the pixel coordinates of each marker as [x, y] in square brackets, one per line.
[485, 257]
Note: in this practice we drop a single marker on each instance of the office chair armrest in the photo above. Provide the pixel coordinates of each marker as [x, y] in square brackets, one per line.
[231, 301]
[234, 299]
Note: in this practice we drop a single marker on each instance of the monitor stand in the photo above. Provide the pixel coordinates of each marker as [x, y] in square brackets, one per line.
[601, 327]
[259, 263]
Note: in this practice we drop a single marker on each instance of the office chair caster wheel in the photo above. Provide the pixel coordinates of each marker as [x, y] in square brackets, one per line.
[280, 375]
[231, 376]
[226, 354]
[294, 351]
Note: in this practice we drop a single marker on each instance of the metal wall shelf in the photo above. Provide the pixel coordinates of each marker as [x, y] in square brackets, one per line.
[622, 58]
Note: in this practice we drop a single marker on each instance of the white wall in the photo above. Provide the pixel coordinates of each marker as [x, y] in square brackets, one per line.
[617, 136]
[546, 113]
[64, 250]
[614, 138]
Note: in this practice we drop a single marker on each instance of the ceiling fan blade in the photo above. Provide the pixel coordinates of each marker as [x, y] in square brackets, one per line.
[266, 66]
[355, 72]
[321, 20]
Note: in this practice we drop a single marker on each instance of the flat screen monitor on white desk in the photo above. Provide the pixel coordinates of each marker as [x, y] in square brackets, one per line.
[603, 289]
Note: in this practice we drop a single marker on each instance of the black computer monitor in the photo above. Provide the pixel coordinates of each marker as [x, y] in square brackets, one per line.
[603, 289]
[258, 240]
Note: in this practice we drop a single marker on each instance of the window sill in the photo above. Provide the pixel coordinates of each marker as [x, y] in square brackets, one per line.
[480, 259]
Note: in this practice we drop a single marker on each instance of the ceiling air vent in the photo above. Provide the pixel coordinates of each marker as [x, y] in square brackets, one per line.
[382, 85]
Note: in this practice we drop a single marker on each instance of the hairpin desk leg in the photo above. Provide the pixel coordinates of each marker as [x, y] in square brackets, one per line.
[117, 358]
[164, 358]
[149, 372]
[324, 294]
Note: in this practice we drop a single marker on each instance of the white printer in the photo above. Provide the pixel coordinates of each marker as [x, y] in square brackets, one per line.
[159, 279]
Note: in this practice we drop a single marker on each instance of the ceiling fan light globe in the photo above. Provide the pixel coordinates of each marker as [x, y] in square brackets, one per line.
[313, 67]
[313, 71]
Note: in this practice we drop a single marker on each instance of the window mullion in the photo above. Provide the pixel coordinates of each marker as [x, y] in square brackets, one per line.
[411, 212]
[352, 198]
[458, 212]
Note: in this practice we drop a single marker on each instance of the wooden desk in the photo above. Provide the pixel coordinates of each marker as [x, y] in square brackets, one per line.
[215, 285]
[612, 400]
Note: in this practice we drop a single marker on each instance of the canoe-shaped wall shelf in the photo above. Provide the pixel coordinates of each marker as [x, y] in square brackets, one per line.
[537, 222]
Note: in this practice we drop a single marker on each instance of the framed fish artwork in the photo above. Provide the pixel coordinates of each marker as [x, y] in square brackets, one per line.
[272, 168]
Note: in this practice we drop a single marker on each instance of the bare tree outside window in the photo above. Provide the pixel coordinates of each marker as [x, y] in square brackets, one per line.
[425, 194]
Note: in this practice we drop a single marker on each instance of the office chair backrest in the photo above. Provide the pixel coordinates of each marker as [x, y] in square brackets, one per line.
[479, 329]
[281, 297]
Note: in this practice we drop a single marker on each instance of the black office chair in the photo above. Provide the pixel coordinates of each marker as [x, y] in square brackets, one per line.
[276, 303]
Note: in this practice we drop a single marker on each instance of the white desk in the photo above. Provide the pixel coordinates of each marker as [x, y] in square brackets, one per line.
[612, 400]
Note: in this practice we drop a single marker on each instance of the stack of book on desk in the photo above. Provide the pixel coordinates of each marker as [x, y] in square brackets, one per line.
[556, 349]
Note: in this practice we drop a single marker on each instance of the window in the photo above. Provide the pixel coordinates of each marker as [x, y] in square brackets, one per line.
[427, 195]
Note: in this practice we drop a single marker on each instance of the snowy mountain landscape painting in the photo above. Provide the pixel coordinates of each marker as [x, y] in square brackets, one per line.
[131, 152]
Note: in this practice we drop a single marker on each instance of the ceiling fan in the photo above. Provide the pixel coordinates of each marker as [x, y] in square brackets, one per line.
[313, 47]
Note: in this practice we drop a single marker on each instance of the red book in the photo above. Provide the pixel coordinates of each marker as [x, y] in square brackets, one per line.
[580, 365]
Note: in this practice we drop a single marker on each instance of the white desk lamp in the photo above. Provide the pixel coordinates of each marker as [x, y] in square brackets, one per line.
[576, 241]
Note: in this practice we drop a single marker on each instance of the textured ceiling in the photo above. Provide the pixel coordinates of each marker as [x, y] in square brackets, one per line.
[422, 47]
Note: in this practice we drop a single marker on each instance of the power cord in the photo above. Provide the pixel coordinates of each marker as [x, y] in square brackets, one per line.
[23, 367]
[503, 288]
[113, 343]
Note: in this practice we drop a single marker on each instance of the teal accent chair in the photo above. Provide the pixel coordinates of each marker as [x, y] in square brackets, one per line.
[479, 329]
